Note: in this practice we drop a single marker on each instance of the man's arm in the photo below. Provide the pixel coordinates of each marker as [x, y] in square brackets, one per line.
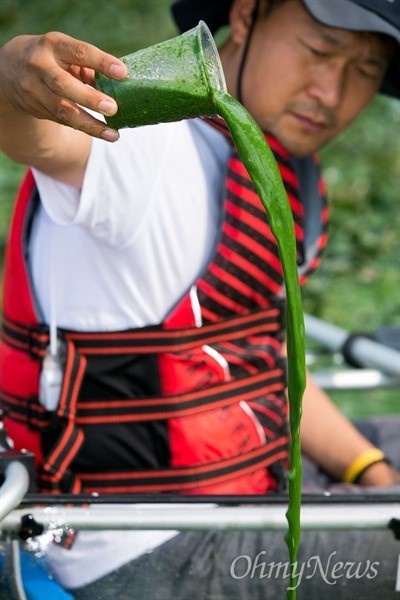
[44, 83]
[331, 440]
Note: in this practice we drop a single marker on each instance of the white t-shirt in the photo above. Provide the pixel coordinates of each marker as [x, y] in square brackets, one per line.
[119, 254]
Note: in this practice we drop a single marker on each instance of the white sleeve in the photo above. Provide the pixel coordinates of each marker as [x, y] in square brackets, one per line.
[61, 201]
[118, 186]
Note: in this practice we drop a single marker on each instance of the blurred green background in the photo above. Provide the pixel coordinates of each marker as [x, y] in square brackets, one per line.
[358, 285]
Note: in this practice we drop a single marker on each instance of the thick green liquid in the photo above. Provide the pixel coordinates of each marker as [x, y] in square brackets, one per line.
[264, 173]
[169, 81]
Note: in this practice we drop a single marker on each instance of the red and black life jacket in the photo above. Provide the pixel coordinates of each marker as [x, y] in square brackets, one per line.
[181, 407]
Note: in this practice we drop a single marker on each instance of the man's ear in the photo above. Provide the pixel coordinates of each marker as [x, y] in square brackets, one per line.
[240, 19]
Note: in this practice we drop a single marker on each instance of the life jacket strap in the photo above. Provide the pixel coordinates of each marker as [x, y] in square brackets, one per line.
[71, 437]
[185, 479]
[130, 410]
[146, 340]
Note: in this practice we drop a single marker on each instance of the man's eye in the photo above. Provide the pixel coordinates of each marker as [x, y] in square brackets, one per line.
[369, 71]
[316, 51]
[368, 74]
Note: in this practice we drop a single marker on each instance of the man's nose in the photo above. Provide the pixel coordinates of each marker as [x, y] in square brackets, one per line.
[328, 85]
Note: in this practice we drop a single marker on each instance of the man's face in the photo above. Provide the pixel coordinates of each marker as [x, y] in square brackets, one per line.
[305, 82]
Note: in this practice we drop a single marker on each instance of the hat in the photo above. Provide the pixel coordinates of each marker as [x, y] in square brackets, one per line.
[380, 16]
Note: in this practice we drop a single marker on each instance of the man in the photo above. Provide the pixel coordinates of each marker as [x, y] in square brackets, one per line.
[121, 240]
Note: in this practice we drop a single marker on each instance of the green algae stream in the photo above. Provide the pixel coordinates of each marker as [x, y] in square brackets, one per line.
[264, 173]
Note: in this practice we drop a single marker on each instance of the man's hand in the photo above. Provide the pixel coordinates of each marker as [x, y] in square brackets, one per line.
[49, 77]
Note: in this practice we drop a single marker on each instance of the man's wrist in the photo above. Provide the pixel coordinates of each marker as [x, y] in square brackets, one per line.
[379, 474]
[362, 463]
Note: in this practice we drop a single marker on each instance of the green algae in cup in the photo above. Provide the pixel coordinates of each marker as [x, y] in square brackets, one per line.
[170, 81]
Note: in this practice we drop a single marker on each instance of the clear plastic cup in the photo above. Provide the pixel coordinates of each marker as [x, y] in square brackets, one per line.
[170, 81]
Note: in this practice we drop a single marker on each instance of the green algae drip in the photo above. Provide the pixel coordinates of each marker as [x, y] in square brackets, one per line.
[264, 173]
